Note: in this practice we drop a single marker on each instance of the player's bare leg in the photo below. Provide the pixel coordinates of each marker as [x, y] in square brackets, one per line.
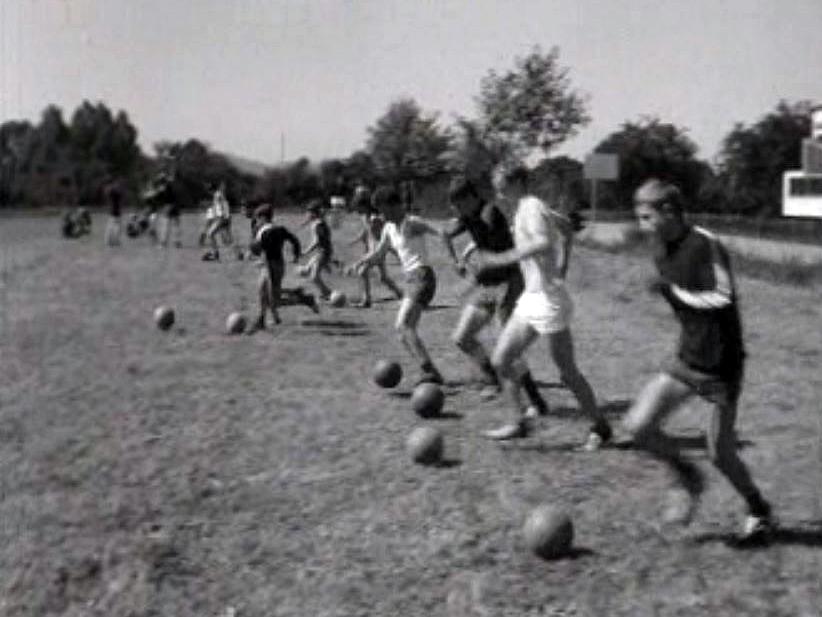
[408, 318]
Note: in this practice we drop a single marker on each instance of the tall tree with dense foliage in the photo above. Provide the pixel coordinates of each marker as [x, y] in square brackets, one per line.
[753, 159]
[407, 144]
[648, 148]
[531, 107]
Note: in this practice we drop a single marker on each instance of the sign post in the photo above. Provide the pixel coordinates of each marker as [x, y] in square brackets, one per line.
[599, 166]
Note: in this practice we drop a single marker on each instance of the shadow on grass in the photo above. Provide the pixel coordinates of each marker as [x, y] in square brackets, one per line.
[609, 408]
[400, 393]
[684, 442]
[344, 332]
[809, 534]
[446, 415]
[447, 463]
[334, 323]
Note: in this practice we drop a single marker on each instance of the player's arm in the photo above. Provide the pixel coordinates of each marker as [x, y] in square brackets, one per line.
[456, 228]
[377, 253]
[718, 278]
[295, 244]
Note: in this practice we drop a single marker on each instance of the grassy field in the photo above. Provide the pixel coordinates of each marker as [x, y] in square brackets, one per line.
[190, 473]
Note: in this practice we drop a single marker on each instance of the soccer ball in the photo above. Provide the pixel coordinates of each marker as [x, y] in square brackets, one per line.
[425, 445]
[164, 317]
[387, 374]
[337, 298]
[427, 400]
[235, 324]
[548, 532]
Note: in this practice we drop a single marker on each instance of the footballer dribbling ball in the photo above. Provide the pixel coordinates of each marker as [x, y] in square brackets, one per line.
[425, 445]
[164, 317]
[548, 532]
[235, 323]
[337, 298]
[387, 374]
[427, 400]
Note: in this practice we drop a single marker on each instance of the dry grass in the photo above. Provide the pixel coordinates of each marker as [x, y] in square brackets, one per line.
[192, 473]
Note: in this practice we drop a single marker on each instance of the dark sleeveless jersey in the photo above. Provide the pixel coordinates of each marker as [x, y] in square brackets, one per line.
[490, 232]
[711, 338]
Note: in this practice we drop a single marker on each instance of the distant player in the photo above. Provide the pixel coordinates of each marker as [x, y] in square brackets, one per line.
[542, 243]
[372, 224]
[114, 228]
[407, 235]
[495, 292]
[269, 242]
[219, 224]
[321, 249]
[696, 280]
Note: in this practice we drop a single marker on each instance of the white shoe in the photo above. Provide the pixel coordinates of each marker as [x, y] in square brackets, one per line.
[515, 430]
[491, 391]
[532, 412]
[592, 443]
[756, 527]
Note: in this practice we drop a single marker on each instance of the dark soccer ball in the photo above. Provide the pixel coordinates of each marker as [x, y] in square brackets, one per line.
[425, 445]
[387, 374]
[427, 400]
[549, 532]
[164, 317]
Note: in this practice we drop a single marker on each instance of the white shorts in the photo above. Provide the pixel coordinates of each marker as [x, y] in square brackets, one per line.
[547, 314]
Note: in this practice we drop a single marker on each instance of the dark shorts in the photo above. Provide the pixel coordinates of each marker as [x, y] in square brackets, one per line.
[500, 298]
[420, 285]
[721, 389]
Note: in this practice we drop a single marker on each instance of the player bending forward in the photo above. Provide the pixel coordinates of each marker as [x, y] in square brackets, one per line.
[695, 278]
[269, 243]
[406, 235]
[372, 224]
[542, 239]
[496, 292]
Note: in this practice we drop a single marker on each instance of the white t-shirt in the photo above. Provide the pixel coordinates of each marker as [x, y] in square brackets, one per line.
[533, 222]
[220, 206]
[408, 239]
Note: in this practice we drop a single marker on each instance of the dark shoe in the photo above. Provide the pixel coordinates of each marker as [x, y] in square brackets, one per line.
[255, 327]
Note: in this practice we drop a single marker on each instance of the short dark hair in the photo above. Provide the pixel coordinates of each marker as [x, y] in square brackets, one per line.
[385, 196]
[518, 174]
[264, 211]
[660, 195]
[315, 206]
[462, 188]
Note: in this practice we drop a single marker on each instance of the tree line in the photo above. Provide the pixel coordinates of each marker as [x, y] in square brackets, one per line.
[523, 113]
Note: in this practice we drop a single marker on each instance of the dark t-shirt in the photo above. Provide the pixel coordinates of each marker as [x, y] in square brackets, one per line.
[711, 339]
[114, 197]
[323, 234]
[270, 240]
[490, 232]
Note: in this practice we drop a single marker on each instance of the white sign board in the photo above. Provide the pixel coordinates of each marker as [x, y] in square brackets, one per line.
[802, 194]
[601, 166]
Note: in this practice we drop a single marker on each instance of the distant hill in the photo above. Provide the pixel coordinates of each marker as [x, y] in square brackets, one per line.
[247, 166]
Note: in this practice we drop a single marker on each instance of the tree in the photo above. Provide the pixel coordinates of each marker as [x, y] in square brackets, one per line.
[753, 159]
[531, 107]
[651, 148]
[406, 144]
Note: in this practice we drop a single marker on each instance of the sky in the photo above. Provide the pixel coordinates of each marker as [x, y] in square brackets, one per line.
[267, 79]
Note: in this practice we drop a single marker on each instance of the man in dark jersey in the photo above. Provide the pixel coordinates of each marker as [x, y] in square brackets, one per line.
[495, 291]
[695, 278]
[269, 242]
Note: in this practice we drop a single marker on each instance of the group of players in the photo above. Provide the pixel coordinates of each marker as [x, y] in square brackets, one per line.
[517, 272]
